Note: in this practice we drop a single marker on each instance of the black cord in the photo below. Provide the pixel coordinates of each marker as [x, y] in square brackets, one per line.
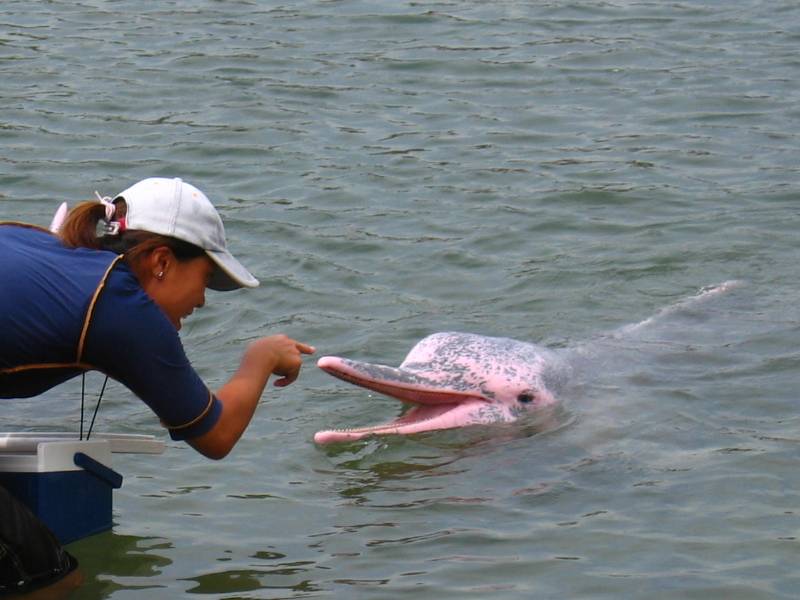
[83, 393]
[96, 408]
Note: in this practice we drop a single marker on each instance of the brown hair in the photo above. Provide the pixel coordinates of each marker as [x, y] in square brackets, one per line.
[82, 229]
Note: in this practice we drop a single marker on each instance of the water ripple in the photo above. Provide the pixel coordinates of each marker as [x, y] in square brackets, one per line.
[548, 171]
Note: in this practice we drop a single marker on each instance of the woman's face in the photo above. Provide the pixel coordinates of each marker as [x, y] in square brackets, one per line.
[179, 286]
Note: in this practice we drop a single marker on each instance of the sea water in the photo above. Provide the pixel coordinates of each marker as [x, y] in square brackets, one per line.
[547, 171]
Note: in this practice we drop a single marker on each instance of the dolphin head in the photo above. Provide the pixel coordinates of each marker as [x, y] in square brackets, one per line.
[452, 380]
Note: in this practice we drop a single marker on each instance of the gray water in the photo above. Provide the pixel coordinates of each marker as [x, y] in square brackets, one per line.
[548, 171]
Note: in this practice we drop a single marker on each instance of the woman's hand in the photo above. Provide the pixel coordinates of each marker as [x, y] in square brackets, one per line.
[273, 355]
[280, 354]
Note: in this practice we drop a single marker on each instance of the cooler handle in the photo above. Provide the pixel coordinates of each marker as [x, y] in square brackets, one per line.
[98, 469]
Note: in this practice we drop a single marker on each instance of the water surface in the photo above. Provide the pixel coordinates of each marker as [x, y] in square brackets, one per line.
[546, 171]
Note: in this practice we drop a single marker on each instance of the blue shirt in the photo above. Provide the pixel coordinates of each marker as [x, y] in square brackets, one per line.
[64, 311]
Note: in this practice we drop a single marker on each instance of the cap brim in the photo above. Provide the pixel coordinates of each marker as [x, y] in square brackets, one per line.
[229, 274]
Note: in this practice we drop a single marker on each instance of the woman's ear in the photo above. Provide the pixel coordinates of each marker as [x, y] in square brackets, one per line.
[159, 262]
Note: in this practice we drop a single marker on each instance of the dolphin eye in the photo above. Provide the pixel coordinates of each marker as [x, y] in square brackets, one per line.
[525, 397]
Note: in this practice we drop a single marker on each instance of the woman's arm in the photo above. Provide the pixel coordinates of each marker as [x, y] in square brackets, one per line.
[274, 355]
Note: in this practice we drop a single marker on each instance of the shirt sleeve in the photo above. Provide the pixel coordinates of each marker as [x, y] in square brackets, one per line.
[131, 340]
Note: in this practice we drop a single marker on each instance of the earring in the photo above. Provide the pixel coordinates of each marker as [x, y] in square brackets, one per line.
[160, 275]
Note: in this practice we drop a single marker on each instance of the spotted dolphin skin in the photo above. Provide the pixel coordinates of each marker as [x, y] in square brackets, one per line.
[453, 380]
[459, 379]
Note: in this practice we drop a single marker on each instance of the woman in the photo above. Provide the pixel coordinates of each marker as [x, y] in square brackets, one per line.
[108, 293]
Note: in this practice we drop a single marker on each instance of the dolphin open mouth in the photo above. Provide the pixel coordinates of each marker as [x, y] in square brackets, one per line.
[435, 406]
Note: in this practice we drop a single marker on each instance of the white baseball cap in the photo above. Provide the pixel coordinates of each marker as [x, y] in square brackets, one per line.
[177, 209]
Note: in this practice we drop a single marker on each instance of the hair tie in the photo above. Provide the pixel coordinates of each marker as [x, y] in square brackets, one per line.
[107, 204]
[111, 227]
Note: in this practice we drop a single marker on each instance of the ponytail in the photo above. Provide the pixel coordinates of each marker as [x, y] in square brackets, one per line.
[79, 230]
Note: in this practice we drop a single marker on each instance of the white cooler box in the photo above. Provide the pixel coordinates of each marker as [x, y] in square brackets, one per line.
[67, 483]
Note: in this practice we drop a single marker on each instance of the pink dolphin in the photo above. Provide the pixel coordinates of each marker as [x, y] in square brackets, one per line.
[459, 379]
[453, 380]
